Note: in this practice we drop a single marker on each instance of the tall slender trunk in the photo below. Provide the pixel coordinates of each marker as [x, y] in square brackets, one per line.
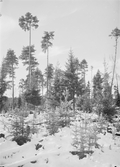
[84, 78]
[1, 79]
[47, 70]
[91, 82]
[73, 102]
[42, 85]
[30, 57]
[114, 64]
[12, 88]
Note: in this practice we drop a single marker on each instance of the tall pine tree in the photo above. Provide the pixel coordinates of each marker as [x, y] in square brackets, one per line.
[3, 84]
[72, 79]
[33, 63]
[45, 44]
[28, 22]
[97, 91]
[32, 90]
[49, 73]
[11, 62]
[58, 85]
[83, 69]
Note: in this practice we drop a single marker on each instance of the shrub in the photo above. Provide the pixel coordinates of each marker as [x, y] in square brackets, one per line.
[52, 122]
[31, 112]
[108, 108]
[59, 117]
[65, 113]
[84, 103]
[63, 116]
[20, 140]
[2, 135]
[109, 112]
[32, 96]
[19, 130]
[101, 124]
[85, 137]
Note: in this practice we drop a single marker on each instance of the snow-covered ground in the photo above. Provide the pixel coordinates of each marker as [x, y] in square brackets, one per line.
[55, 150]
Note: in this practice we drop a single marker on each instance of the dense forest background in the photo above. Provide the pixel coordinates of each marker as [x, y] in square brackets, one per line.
[55, 85]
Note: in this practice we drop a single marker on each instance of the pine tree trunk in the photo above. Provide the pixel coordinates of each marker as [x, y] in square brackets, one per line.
[42, 85]
[73, 102]
[47, 70]
[91, 82]
[12, 89]
[30, 58]
[84, 78]
[114, 64]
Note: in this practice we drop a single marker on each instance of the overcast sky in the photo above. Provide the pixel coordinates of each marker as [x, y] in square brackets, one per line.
[83, 25]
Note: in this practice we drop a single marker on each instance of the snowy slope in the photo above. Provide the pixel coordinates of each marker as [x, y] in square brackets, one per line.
[55, 152]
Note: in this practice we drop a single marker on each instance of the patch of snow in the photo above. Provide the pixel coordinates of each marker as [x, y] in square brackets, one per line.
[55, 150]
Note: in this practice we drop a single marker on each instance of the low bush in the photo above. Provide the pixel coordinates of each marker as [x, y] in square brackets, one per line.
[2, 135]
[109, 112]
[84, 137]
[20, 140]
[52, 122]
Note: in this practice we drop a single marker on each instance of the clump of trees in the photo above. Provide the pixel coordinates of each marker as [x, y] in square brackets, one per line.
[59, 117]
[55, 80]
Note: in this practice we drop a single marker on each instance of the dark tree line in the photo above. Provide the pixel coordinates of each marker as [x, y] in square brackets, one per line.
[54, 80]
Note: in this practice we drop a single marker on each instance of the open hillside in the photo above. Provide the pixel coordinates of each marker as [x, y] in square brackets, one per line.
[55, 150]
